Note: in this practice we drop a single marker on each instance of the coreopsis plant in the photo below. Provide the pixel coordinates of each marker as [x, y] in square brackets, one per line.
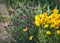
[49, 26]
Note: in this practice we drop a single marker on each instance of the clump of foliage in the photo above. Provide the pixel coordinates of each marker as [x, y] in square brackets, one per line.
[24, 30]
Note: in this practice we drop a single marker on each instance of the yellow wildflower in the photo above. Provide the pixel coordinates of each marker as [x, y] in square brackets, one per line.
[47, 20]
[58, 31]
[48, 32]
[25, 29]
[52, 25]
[31, 37]
[56, 27]
[37, 23]
[53, 19]
[37, 18]
[46, 25]
[55, 10]
[56, 23]
[50, 17]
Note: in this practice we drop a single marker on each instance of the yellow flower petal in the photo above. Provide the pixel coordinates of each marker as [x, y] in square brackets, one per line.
[48, 32]
[31, 37]
[25, 29]
[55, 10]
[46, 25]
[37, 23]
[58, 31]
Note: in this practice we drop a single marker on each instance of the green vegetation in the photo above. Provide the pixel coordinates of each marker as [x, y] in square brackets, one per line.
[24, 30]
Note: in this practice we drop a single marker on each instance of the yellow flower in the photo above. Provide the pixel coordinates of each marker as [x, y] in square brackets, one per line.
[58, 31]
[37, 18]
[48, 32]
[56, 27]
[37, 23]
[31, 37]
[55, 10]
[58, 21]
[43, 15]
[46, 25]
[25, 29]
[52, 25]
[50, 17]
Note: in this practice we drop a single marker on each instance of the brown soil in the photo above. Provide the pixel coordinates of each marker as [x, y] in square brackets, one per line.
[4, 12]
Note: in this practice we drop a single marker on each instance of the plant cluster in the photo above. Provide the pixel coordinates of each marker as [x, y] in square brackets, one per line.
[49, 26]
[52, 20]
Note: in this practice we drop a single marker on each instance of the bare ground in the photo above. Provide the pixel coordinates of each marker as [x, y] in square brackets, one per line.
[4, 12]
